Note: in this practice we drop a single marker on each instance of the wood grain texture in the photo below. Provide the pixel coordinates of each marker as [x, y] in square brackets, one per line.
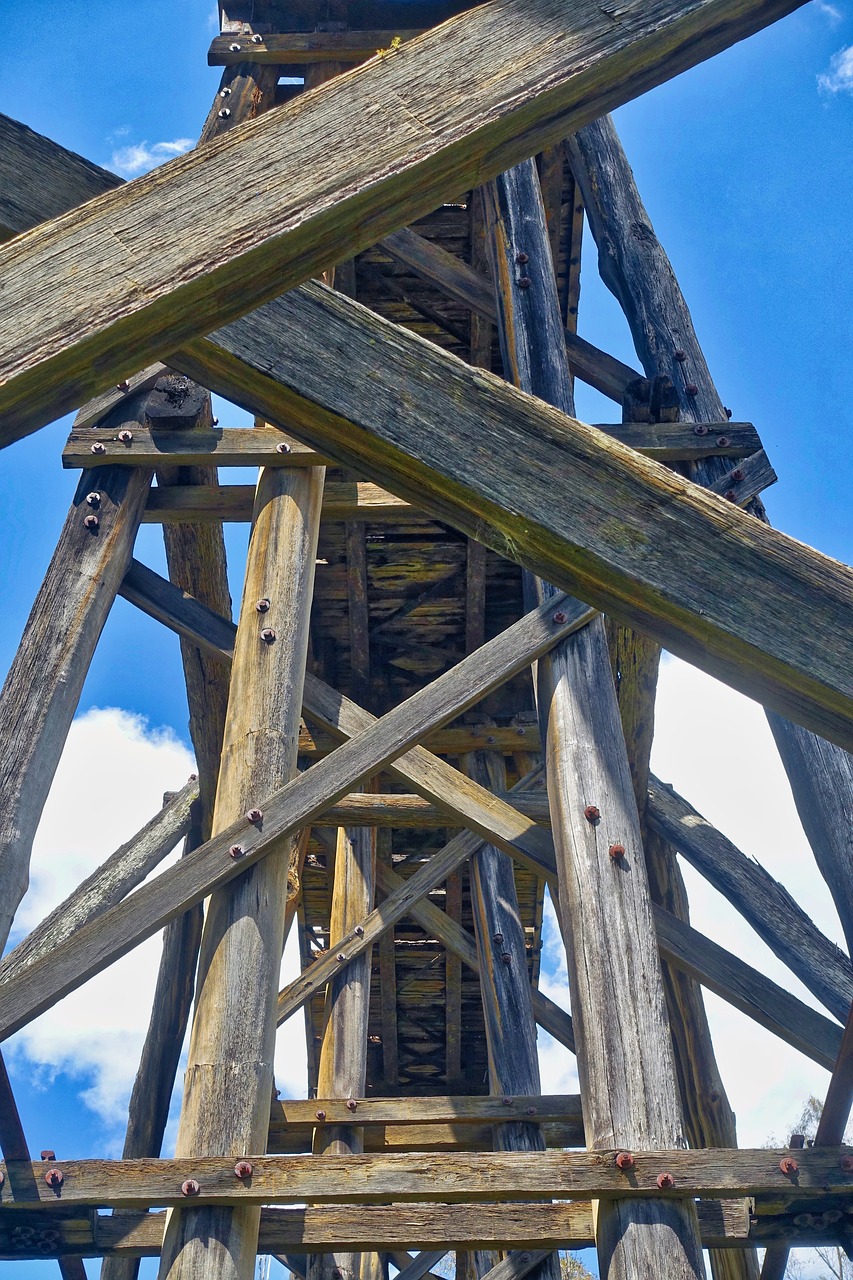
[282, 48]
[59, 639]
[608, 509]
[424, 134]
[342, 500]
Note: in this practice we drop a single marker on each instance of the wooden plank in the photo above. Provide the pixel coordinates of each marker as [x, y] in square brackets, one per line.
[66, 343]
[428, 1137]
[285, 48]
[455, 1177]
[59, 639]
[358, 611]
[789, 932]
[387, 977]
[285, 812]
[607, 505]
[427, 1110]
[342, 500]
[453, 987]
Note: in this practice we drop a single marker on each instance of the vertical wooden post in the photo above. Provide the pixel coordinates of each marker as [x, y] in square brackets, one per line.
[230, 1073]
[625, 1061]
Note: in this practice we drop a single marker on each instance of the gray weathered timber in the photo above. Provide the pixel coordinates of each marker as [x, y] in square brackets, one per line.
[59, 639]
[40, 179]
[424, 133]
[619, 530]
[625, 1060]
[454, 1177]
[342, 500]
[288, 810]
[391, 810]
[774, 915]
[178, 610]
[233, 1029]
[112, 881]
[436, 1109]
[282, 48]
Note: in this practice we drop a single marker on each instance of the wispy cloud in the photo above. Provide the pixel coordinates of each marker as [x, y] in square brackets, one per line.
[829, 11]
[839, 77]
[139, 157]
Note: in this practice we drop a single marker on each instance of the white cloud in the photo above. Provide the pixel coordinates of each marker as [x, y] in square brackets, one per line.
[839, 77]
[829, 11]
[139, 157]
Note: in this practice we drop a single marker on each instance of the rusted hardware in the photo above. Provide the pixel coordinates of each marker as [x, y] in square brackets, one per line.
[525, 282]
[263, 605]
[737, 474]
[624, 1160]
[507, 1102]
[97, 447]
[48, 1155]
[497, 937]
[243, 1169]
[359, 930]
[283, 447]
[700, 429]
[789, 1166]
[268, 635]
[730, 495]
[846, 1164]
[321, 1115]
[255, 815]
[54, 1178]
[617, 851]
[341, 957]
[123, 386]
[691, 389]
[592, 813]
[665, 1181]
[125, 436]
[91, 522]
[560, 617]
[727, 412]
[352, 1104]
[224, 113]
[522, 258]
[190, 1187]
[236, 851]
[531, 1111]
[723, 441]
[679, 355]
[506, 957]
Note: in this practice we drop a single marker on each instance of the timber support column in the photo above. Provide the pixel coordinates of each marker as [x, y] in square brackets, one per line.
[230, 1072]
[625, 1061]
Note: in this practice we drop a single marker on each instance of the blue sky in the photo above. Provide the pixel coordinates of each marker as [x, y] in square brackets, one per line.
[744, 165]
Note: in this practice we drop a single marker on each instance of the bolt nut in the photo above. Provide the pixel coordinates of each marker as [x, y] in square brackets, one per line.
[522, 258]
[723, 441]
[359, 930]
[700, 430]
[225, 93]
[524, 282]
[846, 1164]
[125, 436]
[691, 389]
[282, 447]
[256, 39]
[352, 1104]
[93, 499]
[224, 113]
[236, 851]
[665, 1181]
[54, 1178]
[789, 1166]
[268, 635]
[255, 815]
[730, 495]
[507, 1102]
[234, 48]
[560, 617]
[321, 1115]
[341, 957]
[190, 1187]
[91, 521]
[617, 851]
[624, 1160]
[592, 813]
[497, 937]
[531, 1111]
[263, 605]
[737, 475]
[679, 355]
[506, 957]
[48, 1155]
[214, 422]
[727, 412]
[98, 448]
[124, 385]
[243, 1169]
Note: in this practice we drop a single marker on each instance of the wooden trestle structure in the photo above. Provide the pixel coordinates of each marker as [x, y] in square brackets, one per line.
[410, 732]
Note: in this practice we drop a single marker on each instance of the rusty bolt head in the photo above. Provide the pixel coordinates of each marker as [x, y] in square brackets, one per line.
[506, 957]
[91, 522]
[224, 113]
[497, 937]
[665, 1181]
[730, 495]
[560, 617]
[233, 48]
[692, 389]
[700, 430]
[321, 1115]
[54, 1178]
[190, 1187]
[263, 605]
[243, 1169]
[723, 441]
[236, 851]
[124, 385]
[525, 282]
[624, 1160]
[125, 436]
[737, 475]
[680, 356]
[268, 635]
[48, 1155]
[728, 413]
[255, 815]
[283, 447]
[617, 851]
[522, 258]
[93, 499]
[789, 1166]
[524, 1257]
[592, 813]
[507, 1102]
[359, 930]
[531, 1111]
[341, 957]
[98, 448]
[352, 1104]
[846, 1163]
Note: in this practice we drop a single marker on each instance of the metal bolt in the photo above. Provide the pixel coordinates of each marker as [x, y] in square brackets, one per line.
[531, 1111]
[214, 422]
[224, 113]
[624, 1160]
[665, 1181]
[268, 635]
[727, 412]
[126, 437]
[98, 448]
[190, 1187]
[497, 937]
[341, 957]
[255, 815]
[730, 495]
[592, 813]
[352, 1105]
[48, 1155]
[54, 1178]
[256, 39]
[124, 385]
[525, 282]
[243, 1169]
[506, 957]
[263, 605]
[225, 93]
[236, 851]
[93, 499]
[507, 1102]
[91, 522]
[617, 851]
[789, 1166]
[723, 441]
[233, 48]
[692, 389]
[359, 931]
[524, 1257]
[321, 1115]
[700, 430]
[737, 474]
[283, 447]
[560, 617]
[680, 356]
[491, 738]
[522, 258]
[846, 1163]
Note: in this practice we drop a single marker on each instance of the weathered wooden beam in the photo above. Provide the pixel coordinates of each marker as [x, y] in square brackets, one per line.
[356, 500]
[290, 809]
[455, 1177]
[431, 455]
[360, 809]
[65, 343]
[299, 48]
[427, 1110]
[59, 640]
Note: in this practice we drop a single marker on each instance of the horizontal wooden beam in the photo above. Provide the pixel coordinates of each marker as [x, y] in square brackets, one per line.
[203, 504]
[454, 1177]
[743, 601]
[325, 1228]
[328, 174]
[289, 48]
[378, 1138]
[259, 446]
[363, 809]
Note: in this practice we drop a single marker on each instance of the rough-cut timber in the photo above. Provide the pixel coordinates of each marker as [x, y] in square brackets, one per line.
[425, 132]
[303, 47]
[621, 531]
